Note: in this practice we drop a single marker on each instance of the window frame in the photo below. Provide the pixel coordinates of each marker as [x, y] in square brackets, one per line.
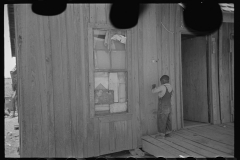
[92, 70]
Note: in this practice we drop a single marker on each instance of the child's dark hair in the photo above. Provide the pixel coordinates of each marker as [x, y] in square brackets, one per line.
[164, 79]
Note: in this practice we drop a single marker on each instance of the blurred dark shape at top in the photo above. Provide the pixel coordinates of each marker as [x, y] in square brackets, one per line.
[45, 8]
[125, 16]
[202, 18]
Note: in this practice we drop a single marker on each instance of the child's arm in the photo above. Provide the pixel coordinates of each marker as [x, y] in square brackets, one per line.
[157, 89]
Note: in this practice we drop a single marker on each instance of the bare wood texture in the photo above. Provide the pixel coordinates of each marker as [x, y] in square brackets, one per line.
[26, 112]
[116, 117]
[226, 139]
[79, 58]
[213, 76]
[194, 75]
[228, 17]
[186, 143]
[225, 72]
[33, 50]
[206, 141]
[54, 92]
[136, 128]
[163, 146]
[140, 77]
[150, 72]
[154, 150]
[56, 114]
[178, 73]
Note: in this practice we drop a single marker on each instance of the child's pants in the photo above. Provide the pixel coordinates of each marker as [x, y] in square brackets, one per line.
[164, 122]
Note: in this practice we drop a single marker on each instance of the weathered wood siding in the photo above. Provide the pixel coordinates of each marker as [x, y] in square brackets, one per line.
[226, 72]
[53, 66]
[156, 37]
[194, 77]
[53, 93]
[160, 41]
[213, 81]
[122, 132]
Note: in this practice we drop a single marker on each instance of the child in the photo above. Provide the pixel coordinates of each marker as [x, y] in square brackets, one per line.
[164, 107]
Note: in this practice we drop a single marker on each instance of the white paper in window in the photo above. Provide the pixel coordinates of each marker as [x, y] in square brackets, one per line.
[113, 85]
[122, 92]
[121, 77]
[122, 87]
[117, 45]
[101, 80]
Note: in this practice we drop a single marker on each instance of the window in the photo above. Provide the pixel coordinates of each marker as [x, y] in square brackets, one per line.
[109, 71]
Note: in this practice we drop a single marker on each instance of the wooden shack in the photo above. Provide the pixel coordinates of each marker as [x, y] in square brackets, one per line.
[84, 87]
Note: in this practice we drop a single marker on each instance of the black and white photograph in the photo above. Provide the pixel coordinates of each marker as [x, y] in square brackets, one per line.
[101, 80]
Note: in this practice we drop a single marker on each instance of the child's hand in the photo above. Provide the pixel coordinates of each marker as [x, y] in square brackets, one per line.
[153, 86]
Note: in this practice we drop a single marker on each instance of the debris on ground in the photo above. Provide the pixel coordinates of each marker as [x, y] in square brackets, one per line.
[9, 133]
[7, 112]
[8, 144]
[11, 137]
[16, 127]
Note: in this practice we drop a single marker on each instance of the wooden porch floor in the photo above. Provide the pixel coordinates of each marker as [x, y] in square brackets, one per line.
[200, 141]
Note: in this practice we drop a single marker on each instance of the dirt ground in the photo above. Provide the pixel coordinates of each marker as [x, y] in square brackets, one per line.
[11, 137]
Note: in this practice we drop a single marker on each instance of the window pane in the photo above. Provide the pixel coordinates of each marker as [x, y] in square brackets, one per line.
[102, 60]
[101, 93]
[103, 96]
[110, 92]
[101, 80]
[121, 87]
[118, 39]
[117, 45]
[118, 59]
[99, 39]
[121, 77]
[113, 85]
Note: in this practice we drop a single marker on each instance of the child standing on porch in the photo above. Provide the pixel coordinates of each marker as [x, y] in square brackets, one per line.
[164, 107]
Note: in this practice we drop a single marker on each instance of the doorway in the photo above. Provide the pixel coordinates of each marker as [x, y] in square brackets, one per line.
[194, 80]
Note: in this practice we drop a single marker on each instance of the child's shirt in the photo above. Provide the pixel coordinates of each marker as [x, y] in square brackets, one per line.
[164, 100]
[161, 90]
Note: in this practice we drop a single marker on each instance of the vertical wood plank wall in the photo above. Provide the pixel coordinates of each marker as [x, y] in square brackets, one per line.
[224, 71]
[122, 134]
[155, 37]
[54, 80]
[213, 78]
[160, 41]
[53, 94]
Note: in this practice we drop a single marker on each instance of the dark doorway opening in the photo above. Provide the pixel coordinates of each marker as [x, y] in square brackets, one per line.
[194, 80]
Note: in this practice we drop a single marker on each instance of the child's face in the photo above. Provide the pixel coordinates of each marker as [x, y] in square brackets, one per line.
[163, 81]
